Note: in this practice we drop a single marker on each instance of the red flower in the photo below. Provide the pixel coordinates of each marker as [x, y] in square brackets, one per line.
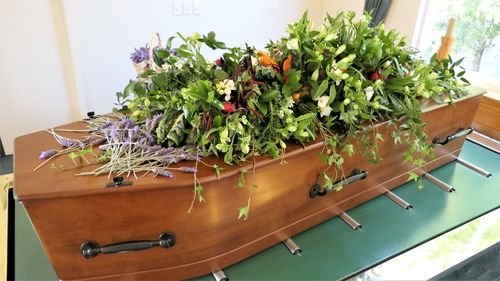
[374, 75]
[377, 75]
[219, 62]
[229, 107]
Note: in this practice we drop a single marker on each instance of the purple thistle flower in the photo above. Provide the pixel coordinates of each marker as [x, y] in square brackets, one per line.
[47, 154]
[140, 55]
[188, 169]
[163, 172]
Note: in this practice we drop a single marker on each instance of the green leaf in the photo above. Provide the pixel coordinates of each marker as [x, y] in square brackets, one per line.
[218, 170]
[269, 95]
[73, 156]
[333, 93]
[243, 212]
[349, 149]
[217, 122]
[321, 89]
[241, 179]
[220, 74]
[412, 176]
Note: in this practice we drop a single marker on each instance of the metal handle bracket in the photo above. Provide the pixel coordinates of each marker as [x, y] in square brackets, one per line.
[91, 249]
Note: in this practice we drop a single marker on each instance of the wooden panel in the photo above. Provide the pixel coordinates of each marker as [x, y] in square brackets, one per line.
[487, 119]
[211, 237]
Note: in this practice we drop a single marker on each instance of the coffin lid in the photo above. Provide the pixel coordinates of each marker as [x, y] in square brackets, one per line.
[47, 182]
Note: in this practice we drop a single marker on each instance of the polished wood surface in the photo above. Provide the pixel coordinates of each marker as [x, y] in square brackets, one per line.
[67, 211]
[487, 119]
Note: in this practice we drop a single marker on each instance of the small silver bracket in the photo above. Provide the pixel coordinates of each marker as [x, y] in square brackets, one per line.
[292, 247]
[439, 182]
[398, 200]
[350, 221]
[474, 168]
[220, 276]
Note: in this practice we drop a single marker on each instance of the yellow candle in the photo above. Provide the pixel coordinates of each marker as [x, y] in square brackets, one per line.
[451, 26]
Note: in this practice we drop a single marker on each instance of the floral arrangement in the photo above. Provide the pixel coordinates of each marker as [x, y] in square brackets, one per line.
[328, 83]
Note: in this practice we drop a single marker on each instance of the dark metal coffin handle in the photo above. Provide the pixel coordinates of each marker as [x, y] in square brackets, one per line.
[460, 133]
[317, 190]
[91, 249]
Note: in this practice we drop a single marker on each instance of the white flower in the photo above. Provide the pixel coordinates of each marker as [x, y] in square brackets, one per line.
[141, 67]
[292, 44]
[254, 61]
[324, 109]
[369, 92]
[166, 67]
[225, 87]
[179, 63]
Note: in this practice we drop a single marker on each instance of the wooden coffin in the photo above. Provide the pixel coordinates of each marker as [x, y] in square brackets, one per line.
[67, 211]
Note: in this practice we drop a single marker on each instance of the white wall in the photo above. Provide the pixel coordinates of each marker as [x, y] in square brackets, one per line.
[33, 93]
[62, 58]
[402, 14]
[104, 33]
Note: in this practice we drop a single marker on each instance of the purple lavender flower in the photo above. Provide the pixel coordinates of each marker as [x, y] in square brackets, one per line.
[65, 142]
[163, 172]
[48, 153]
[126, 123]
[114, 133]
[188, 169]
[140, 55]
[105, 125]
[152, 122]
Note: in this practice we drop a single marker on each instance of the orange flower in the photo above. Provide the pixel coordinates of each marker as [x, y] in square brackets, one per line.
[287, 64]
[265, 60]
[303, 91]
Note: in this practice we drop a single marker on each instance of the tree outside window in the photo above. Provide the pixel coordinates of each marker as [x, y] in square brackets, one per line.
[477, 35]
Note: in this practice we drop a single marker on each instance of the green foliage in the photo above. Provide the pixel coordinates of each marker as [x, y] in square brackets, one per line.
[333, 82]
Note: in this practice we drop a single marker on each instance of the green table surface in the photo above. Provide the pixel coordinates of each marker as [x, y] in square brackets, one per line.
[332, 250]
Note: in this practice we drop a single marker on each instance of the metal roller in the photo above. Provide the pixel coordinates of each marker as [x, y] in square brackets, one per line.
[473, 167]
[350, 221]
[398, 200]
[439, 183]
[292, 247]
[220, 276]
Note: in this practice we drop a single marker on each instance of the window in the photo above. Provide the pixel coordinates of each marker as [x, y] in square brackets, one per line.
[477, 36]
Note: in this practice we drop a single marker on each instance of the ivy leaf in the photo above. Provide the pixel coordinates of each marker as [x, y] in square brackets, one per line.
[218, 171]
[241, 180]
[412, 176]
[73, 156]
[349, 149]
[243, 213]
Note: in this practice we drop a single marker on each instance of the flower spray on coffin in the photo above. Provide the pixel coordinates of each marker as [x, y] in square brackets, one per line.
[333, 82]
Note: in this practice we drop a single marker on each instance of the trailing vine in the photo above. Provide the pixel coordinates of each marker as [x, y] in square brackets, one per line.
[334, 83]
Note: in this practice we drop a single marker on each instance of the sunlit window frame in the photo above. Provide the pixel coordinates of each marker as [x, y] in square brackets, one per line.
[491, 84]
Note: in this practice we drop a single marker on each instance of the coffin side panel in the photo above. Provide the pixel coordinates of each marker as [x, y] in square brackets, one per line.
[211, 237]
